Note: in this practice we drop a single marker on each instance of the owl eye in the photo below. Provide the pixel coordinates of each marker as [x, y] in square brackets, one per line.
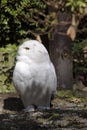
[27, 48]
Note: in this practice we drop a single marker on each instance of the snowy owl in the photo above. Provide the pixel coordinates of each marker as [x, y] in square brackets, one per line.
[34, 76]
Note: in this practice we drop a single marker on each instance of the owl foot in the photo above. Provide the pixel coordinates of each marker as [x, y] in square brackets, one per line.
[29, 109]
[43, 108]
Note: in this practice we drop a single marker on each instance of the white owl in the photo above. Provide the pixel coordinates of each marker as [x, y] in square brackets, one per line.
[34, 76]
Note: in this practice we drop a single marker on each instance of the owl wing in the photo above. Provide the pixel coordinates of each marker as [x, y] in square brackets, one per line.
[23, 76]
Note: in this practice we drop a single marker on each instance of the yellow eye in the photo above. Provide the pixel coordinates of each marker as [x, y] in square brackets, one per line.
[27, 48]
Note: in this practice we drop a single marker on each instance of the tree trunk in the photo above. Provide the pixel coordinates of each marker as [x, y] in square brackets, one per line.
[60, 46]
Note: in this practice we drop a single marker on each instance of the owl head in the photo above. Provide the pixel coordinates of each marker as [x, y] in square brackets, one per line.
[32, 50]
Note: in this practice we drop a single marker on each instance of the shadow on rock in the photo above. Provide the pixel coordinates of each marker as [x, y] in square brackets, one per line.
[13, 104]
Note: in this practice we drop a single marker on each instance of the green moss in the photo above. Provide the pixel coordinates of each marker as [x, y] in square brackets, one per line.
[72, 96]
[7, 61]
[65, 93]
[54, 116]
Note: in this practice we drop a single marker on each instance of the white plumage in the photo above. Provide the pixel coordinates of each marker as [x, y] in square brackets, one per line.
[34, 75]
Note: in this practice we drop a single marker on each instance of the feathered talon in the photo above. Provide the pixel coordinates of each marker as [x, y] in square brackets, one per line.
[29, 109]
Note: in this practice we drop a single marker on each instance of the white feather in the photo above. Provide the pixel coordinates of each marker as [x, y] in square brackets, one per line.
[34, 75]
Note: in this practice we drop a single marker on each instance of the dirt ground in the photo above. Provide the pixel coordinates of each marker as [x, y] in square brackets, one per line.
[68, 113]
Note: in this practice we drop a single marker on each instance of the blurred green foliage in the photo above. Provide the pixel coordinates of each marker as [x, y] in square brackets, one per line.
[21, 19]
[7, 62]
[76, 6]
[80, 62]
[18, 17]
